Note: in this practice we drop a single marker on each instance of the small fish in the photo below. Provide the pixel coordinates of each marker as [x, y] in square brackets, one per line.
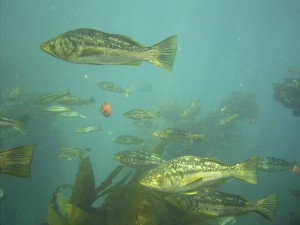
[70, 152]
[57, 109]
[88, 46]
[188, 173]
[84, 130]
[176, 134]
[60, 207]
[139, 114]
[128, 140]
[213, 203]
[108, 86]
[20, 124]
[228, 119]
[50, 97]
[74, 100]
[272, 164]
[105, 109]
[17, 161]
[138, 158]
[70, 114]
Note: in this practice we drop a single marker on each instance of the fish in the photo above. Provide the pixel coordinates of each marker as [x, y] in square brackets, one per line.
[105, 109]
[176, 134]
[70, 114]
[71, 100]
[50, 97]
[128, 140]
[17, 161]
[139, 114]
[57, 109]
[138, 158]
[109, 86]
[272, 164]
[20, 124]
[70, 152]
[187, 173]
[89, 46]
[228, 119]
[213, 203]
[59, 209]
[89, 129]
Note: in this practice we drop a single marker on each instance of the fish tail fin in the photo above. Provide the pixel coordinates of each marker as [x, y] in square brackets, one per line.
[17, 161]
[127, 92]
[163, 53]
[21, 124]
[247, 170]
[267, 206]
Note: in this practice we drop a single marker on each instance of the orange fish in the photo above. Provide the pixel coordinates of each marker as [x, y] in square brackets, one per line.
[105, 109]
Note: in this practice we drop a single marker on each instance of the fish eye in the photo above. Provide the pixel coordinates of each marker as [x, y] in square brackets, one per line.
[52, 43]
[159, 177]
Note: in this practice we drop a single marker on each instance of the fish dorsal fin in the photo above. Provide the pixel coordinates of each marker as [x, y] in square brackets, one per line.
[129, 39]
[216, 161]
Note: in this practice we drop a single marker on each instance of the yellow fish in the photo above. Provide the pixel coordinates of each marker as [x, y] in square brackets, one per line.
[88, 46]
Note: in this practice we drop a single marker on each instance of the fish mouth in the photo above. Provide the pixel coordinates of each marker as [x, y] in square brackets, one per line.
[144, 183]
[116, 157]
[149, 184]
[46, 47]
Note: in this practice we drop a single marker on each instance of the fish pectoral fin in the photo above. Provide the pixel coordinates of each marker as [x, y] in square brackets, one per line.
[194, 180]
[190, 193]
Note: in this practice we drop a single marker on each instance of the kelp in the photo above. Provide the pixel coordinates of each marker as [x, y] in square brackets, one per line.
[83, 191]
